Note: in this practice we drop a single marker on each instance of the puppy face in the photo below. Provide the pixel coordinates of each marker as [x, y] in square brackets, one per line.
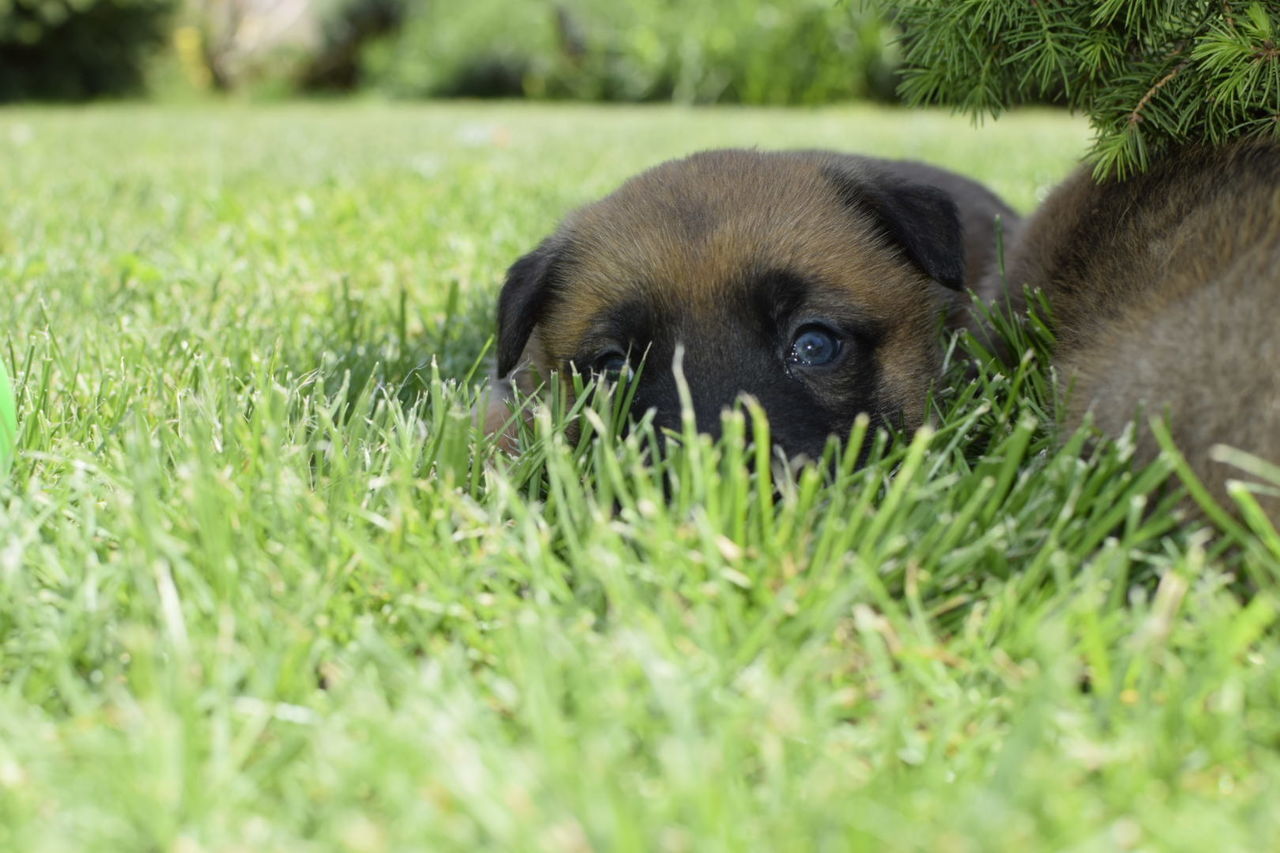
[813, 282]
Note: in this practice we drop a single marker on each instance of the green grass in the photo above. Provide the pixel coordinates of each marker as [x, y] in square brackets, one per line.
[262, 588]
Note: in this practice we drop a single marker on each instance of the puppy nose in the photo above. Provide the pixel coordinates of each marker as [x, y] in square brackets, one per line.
[706, 419]
[704, 383]
[709, 413]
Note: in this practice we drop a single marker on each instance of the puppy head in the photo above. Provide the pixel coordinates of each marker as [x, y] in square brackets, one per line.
[813, 282]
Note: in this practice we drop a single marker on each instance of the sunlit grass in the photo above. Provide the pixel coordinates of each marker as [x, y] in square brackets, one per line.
[263, 587]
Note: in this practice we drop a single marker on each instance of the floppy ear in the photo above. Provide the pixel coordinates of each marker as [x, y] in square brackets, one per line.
[531, 282]
[920, 219]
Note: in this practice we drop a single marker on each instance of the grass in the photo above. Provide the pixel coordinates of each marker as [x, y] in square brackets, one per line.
[261, 587]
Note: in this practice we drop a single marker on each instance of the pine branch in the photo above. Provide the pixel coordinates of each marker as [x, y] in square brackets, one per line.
[1149, 74]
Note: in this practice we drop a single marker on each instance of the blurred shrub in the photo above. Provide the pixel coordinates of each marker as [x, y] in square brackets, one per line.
[345, 27]
[745, 51]
[283, 45]
[78, 48]
[478, 48]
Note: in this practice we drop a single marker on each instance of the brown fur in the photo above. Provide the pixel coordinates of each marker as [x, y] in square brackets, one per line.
[1165, 291]
[684, 239]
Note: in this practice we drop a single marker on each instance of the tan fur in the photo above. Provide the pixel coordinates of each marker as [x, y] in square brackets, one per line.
[1165, 292]
[755, 212]
[680, 235]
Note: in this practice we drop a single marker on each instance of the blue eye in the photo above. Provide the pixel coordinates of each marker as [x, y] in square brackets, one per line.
[609, 364]
[814, 346]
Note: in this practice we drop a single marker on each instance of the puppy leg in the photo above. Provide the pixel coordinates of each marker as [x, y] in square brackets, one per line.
[502, 410]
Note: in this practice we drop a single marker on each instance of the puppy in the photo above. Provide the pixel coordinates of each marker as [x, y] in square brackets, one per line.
[818, 283]
[1165, 293]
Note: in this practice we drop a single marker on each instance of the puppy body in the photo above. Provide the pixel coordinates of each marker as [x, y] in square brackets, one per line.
[814, 281]
[1165, 291]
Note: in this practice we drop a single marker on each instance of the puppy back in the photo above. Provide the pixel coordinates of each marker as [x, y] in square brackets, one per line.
[1165, 292]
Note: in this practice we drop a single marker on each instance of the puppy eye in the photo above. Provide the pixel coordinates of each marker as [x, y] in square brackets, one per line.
[814, 346]
[609, 364]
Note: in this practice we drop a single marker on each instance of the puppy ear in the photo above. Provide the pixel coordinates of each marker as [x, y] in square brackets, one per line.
[920, 219]
[531, 281]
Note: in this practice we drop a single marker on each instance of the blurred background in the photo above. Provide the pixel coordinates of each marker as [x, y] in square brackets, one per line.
[713, 51]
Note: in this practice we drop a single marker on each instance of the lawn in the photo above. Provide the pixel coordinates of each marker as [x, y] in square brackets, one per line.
[262, 588]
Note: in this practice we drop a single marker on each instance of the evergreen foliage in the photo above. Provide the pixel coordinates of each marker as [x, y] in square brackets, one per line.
[1148, 73]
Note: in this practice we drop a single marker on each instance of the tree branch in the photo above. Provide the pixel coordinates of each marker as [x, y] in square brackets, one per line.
[1136, 115]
